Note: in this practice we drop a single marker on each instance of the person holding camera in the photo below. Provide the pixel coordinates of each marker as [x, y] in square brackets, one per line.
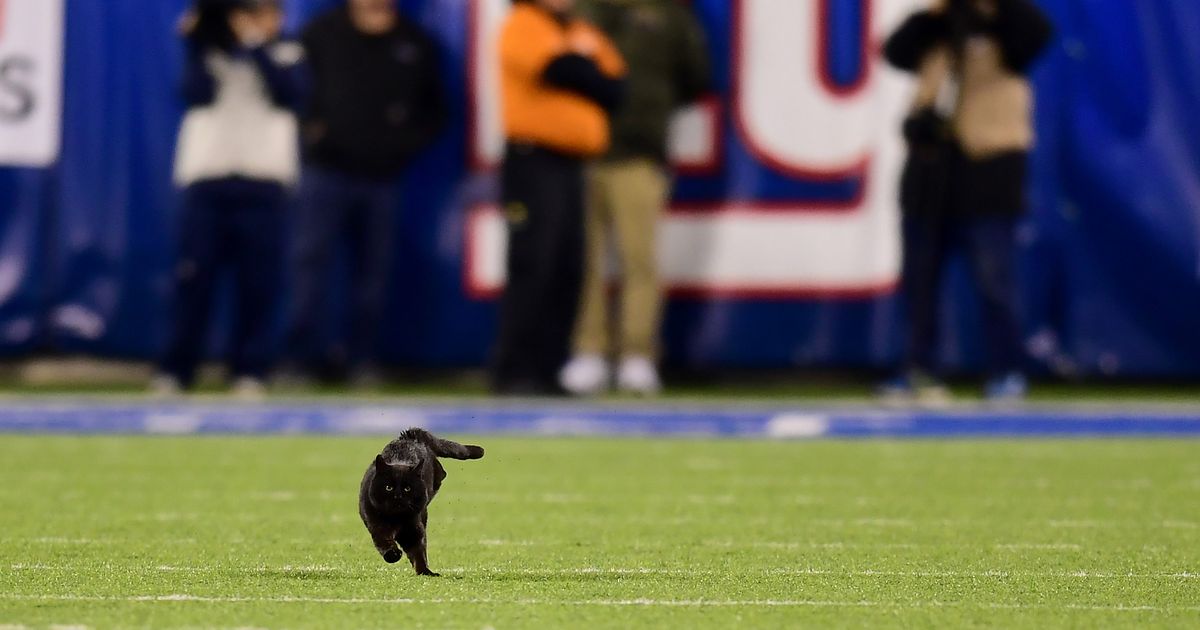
[236, 159]
[969, 133]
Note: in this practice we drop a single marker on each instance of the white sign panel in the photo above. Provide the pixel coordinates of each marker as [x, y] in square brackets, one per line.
[795, 122]
[31, 65]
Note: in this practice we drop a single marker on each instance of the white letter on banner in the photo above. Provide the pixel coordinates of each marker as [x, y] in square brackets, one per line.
[31, 62]
[785, 111]
[795, 123]
[486, 134]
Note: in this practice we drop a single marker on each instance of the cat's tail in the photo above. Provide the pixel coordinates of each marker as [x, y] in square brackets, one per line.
[444, 448]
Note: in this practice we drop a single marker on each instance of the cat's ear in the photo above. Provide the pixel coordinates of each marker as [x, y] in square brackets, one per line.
[381, 466]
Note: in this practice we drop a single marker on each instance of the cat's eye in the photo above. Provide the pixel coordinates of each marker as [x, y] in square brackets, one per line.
[407, 489]
[388, 488]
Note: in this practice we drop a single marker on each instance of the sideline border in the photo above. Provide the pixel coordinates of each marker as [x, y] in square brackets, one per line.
[583, 419]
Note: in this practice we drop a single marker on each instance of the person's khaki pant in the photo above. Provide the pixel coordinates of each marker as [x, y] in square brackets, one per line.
[625, 202]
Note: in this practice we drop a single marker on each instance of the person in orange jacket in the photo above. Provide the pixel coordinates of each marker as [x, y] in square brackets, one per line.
[561, 79]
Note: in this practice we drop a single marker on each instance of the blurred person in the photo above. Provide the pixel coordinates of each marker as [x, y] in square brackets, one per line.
[969, 134]
[237, 157]
[664, 46]
[560, 79]
[377, 102]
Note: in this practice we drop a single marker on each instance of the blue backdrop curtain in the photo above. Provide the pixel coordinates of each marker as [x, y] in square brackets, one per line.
[1111, 262]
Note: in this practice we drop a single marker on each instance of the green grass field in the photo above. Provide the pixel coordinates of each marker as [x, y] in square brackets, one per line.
[263, 532]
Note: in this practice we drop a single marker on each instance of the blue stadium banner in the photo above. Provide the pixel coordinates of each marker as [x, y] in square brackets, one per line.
[780, 247]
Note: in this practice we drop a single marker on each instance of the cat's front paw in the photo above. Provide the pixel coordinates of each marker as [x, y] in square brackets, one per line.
[392, 556]
[428, 573]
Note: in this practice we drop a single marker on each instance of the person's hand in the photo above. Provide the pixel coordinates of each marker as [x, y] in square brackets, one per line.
[187, 22]
[248, 29]
[986, 9]
[270, 21]
[583, 41]
[969, 11]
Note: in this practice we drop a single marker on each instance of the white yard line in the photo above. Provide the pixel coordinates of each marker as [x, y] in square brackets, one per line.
[1079, 524]
[753, 544]
[6, 626]
[803, 571]
[63, 540]
[1041, 546]
[495, 542]
[696, 603]
[766, 544]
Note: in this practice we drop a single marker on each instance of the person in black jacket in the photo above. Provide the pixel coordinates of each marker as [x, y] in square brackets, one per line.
[969, 134]
[377, 102]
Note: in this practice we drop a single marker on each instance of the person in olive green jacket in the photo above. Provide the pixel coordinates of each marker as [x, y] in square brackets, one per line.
[664, 46]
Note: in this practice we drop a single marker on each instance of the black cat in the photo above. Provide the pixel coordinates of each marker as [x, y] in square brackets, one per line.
[397, 490]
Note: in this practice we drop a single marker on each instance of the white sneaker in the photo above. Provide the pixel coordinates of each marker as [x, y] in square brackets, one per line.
[585, 375]
[165, 386]
[915, 388]
[935, 396]
[638, 375]
[249, 389]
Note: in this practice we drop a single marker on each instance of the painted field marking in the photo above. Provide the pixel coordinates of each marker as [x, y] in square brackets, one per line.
[52, 627]
[329, 569]
[63, 540]
[674, 603]
[854, 545]
[792, 421]
[555, 543]
[725, 544]
[1041, 546]
[1081, 524]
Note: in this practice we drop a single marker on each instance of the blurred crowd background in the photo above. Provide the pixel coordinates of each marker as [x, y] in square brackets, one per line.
[571, 194]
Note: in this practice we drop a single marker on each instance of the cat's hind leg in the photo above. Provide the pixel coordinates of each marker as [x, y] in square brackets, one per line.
[420, 562]
[414, 546]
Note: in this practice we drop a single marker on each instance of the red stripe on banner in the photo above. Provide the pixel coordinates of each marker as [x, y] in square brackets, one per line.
[790, 293]
[479, 290]
[808, 208]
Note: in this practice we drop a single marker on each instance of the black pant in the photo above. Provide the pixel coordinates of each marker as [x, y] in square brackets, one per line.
[232, 226]
[543, 197]
[955, 203]
[989, 244]
[336, 209]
